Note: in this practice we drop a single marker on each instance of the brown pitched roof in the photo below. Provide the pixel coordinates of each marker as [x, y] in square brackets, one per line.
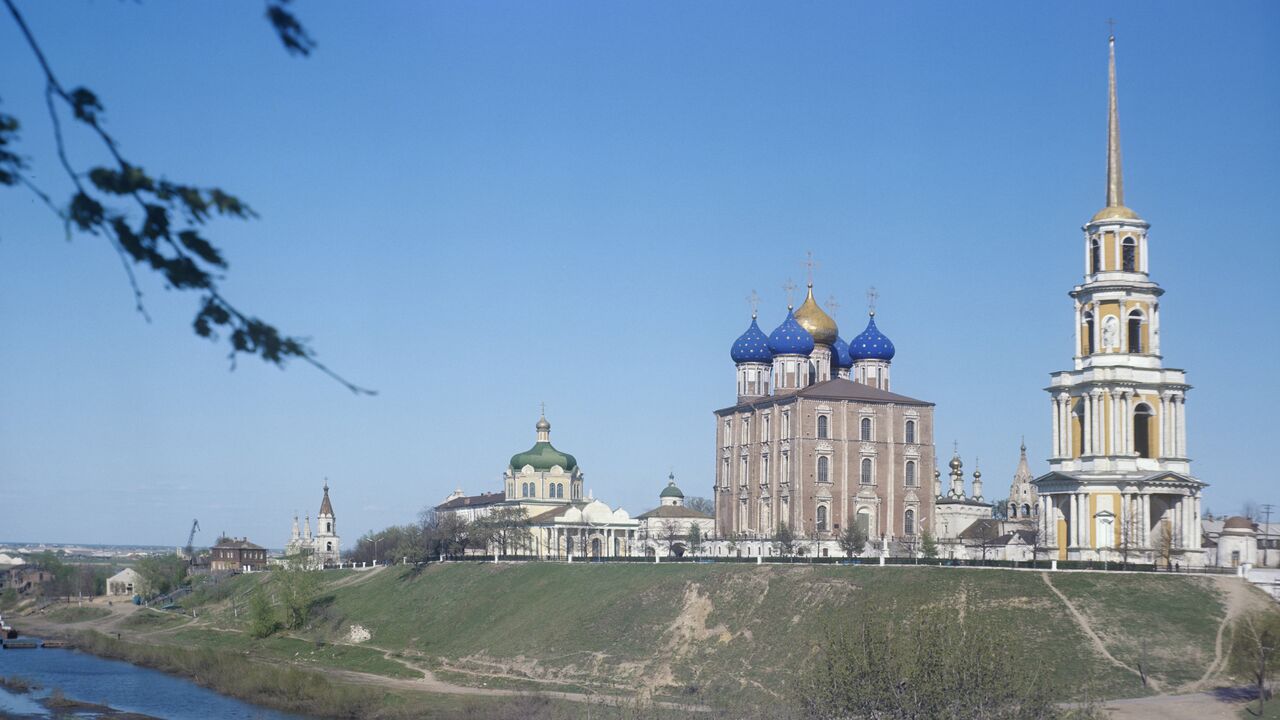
[673, 511]
[473, 501]
[839, 389]
[325, 507]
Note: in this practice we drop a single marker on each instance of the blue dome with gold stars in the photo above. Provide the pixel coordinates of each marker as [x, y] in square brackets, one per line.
[843, 358]
[752, 346]
[871, 344]
[790, 338]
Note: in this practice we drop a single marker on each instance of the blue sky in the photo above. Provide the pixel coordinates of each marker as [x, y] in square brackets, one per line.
[476, 207]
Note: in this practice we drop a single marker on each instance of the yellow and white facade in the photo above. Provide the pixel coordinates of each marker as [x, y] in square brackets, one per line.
[1119, 480]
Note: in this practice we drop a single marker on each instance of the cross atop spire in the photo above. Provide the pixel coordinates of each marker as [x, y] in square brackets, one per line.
[542, 409]
[872, 296]
[789, 288]
[1115, 179]
[810, 265]
[754, 301]
[1111, 23]
[833, 305]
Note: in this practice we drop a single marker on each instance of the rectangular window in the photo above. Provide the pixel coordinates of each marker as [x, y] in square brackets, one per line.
[746, 430]
[786, 425]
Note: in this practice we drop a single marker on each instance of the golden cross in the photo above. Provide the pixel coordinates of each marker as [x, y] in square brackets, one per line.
[1111, 23]
[810, 265]
[542, 409]
[789, 288]
[871, 299]
[832, 305]
[754, 301]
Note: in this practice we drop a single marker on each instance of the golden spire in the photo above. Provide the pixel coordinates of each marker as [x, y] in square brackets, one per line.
[1115, 208]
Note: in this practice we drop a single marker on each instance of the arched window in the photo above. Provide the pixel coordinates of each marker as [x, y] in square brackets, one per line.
[910, 434]
[866, 428]
[1013, 511]
[1129, 255]
[1026, 510]
[1095, 256]
[866, 471]
[822, 426]
[524, 489]
[823, 474]
[1088, 331]
[822, 518]
[328, 527]
[559, 490]
[1135, 331]
[863, 520]
[328, 547]
[909, 522]
[911, 473]
[1142, 417]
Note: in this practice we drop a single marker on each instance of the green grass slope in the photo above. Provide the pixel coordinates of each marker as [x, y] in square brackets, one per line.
[723, 630]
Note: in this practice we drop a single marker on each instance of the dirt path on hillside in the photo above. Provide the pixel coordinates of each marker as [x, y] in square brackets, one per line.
[430, 683]
[1221, 704]
[1238, 601]
[1083, 623]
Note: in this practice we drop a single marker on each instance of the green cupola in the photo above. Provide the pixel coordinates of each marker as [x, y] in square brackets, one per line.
[671, 494]
[543, 456]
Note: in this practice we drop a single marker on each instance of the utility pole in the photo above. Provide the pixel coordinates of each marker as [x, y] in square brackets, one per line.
[1266, 530]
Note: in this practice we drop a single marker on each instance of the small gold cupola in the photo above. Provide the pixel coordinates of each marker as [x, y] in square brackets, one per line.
[819, 324]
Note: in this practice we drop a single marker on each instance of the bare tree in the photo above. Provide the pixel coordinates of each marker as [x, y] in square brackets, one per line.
[1164, 543]
[701, 504]
[1251, 510]
[1255, 644]
[669, 532]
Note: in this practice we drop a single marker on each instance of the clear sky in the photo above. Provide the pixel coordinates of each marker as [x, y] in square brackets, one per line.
[476, 207]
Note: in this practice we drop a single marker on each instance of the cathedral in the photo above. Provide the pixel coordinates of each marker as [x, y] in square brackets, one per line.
[1119, 479]
[817, 440]
[322, 549]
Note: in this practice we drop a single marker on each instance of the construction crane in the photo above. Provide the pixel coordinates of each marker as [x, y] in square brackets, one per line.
[191, 555]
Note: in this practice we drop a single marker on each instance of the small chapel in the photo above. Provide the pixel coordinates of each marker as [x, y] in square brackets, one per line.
[324, 547]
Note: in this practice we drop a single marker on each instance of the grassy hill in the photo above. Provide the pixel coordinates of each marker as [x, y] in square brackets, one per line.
[723, 630]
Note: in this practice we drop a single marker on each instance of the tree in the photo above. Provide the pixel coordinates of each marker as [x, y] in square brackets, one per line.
[1254, 649]
[1000, 509]
[1251, 510]
[262, 620]
[694, 538]
[1164, 543]
[932, 666]
[153, 223]
[853, 539]
[669, 531]
[928, 546]
[701, 504]
[162, 573]
[506, 528]
[784, 540]
[296, 589]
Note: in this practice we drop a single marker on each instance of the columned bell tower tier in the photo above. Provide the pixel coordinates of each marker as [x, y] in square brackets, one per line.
[1120, 477]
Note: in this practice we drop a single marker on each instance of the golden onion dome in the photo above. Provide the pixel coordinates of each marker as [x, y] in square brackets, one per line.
[1115, 212]
[818, 323]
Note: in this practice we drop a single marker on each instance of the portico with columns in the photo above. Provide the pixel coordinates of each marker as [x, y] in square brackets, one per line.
[1119, 481]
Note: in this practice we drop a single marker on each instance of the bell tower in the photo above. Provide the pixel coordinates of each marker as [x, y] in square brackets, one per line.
[1119, 472]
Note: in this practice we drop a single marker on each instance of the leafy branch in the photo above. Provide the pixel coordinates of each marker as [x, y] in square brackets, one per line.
[165, 230]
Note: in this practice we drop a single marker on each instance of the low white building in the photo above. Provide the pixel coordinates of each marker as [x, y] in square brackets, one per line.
[666, 529]
[126, 583]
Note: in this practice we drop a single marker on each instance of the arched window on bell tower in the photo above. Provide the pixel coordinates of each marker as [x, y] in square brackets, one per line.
[1088, 333]
[1142, 419]
[1129, 255]
[1135, 331]
[1095, 256]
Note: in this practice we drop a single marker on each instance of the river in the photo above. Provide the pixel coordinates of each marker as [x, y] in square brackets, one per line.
[117, 684]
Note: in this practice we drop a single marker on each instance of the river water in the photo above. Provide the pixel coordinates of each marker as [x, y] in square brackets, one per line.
[118, 684]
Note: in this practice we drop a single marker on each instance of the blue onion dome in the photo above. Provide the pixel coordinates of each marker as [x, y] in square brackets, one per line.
[841, 349]
[790, 338]
[752, 346]
[871, 344]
